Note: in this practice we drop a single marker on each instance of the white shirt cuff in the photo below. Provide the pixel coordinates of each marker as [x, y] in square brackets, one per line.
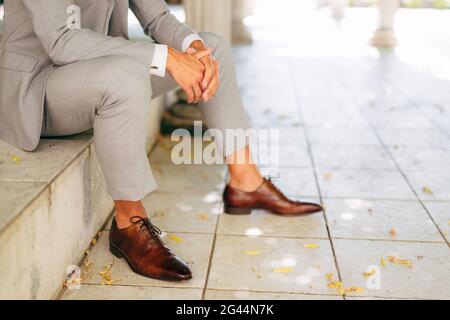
[159, 61]
[188, 41]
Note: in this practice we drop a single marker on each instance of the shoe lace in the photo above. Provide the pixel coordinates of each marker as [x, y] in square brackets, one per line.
[148, 228]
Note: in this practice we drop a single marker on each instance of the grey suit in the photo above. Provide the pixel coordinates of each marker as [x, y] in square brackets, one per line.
[58, 81]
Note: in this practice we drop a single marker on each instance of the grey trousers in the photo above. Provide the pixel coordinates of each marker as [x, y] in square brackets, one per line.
[112, 95]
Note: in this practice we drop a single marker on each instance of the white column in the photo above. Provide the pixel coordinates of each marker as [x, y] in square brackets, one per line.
[210, 15]
[384, 36]
[240, 33]
[1, 18]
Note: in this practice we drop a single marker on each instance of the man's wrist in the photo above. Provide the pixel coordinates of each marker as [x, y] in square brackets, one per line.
[171, 53]
[187, 42]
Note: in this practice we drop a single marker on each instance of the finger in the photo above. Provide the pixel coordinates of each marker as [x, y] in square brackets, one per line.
[197, 92]
[216, 82]
[191, 51]
[200, 65]
[189, 94]
[209, 73]
[202, 54]
[212, 88]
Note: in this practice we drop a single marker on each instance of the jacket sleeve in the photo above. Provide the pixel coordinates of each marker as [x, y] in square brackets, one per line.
[159, 23]
[65, 45]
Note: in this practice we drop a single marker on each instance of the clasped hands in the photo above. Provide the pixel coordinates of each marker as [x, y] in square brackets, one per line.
[195, 71]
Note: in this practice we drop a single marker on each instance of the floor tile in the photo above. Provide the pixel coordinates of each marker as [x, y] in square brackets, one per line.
[428, 277]
[430, 185]
[253, 295]
[414, 138]
[292, 137]
[288, 156]
[400, 119]
[343, 136]
[440, 211]
[421, 159]
[190, 213]
[369, 184]
[438, 114]
[262, 222]
[103, 292]
[380, 219]
[201, 179]
[42, 165]
[341, 157]
[297, 182]
[191, 248]
[333, 118]
[271, 264]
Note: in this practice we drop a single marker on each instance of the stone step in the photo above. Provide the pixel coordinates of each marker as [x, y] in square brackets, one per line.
[53, 202]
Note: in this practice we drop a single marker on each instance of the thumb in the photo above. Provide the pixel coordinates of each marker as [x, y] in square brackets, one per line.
[191, 51]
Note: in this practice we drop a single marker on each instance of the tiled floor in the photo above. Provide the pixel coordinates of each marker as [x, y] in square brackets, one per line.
[364, 131]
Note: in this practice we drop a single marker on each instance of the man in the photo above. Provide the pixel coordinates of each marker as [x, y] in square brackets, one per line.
[60, 76]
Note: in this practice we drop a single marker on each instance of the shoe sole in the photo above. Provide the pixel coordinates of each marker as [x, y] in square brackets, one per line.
[245, 211]
[237, 211]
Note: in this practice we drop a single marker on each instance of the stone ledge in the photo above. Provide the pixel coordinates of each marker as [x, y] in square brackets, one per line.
[53, 202]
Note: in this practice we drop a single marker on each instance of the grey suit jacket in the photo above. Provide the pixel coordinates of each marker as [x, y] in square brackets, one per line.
[37, 39]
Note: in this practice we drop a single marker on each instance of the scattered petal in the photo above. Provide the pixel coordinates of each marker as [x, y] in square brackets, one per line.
[383, 262]
[106, 270]
[203, 216]
[108, 282]
[283, 270]
[393, 233]
[159, 214]
[327, 175]
[398, 261]
[106, 275]
[86, 270]
[87, 263]
[335, 285]
[310, 246]
[251, 252]
[176, 238]
[369, 274]
[427, 191]
[72, 281]
[16, 159]
[354, 290]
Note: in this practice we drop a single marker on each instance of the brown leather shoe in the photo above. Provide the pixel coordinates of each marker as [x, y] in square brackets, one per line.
[268, 197]
[145, 252]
